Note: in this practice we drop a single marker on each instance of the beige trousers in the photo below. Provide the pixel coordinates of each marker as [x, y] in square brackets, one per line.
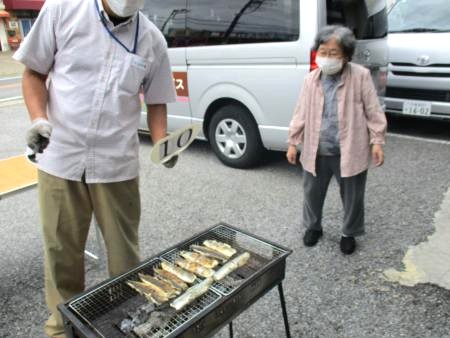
[66, 212]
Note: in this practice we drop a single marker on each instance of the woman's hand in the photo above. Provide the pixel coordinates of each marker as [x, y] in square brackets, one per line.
[377, 155]
[291, 154]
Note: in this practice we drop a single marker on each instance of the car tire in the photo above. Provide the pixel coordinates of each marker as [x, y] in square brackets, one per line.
[234, 137]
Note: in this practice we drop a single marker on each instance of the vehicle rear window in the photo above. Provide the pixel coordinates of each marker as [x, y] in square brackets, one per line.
[170, 17]
[367, 19]
[206, 22]
[237, 21]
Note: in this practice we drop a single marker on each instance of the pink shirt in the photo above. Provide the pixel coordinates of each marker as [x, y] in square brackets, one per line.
[362, 121]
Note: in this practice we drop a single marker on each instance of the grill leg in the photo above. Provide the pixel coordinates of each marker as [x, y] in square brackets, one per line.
[283, 308]
[230, 329]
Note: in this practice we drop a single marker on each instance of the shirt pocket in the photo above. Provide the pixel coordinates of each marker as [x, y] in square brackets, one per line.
[135, 68]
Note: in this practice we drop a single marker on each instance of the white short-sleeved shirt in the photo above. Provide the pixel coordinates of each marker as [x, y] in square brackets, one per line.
[94, 85]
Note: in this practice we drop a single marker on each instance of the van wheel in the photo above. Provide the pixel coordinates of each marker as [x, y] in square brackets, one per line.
[234, 137]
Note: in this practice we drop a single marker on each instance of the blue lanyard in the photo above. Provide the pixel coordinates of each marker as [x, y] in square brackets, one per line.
[103, 19]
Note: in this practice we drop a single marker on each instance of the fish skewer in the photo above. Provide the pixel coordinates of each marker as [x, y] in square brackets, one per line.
[159, 285]
[232, 265]
[198, 269]
[170, 278]
[147, 291]
[184, 275]
[196, 257]
[224, 248]
[191, 294]
[209, 252]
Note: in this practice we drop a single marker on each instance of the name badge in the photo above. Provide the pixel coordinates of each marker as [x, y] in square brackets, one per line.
[138, 63]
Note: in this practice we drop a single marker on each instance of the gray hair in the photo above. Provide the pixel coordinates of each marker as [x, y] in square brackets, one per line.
[343, 35]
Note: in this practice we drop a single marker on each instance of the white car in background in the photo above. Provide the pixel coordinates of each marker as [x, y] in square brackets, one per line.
[239, 65]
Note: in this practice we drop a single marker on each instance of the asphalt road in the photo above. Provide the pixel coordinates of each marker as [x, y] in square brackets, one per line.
[327, 294]
[10, 88]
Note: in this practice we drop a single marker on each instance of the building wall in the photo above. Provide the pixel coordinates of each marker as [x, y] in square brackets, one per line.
[18, 24]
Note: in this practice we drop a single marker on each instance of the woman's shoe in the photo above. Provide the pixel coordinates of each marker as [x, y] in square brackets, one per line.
[311, 237]
[348, 245]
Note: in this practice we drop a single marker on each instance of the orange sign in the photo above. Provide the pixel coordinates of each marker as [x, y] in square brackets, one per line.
[181, 83]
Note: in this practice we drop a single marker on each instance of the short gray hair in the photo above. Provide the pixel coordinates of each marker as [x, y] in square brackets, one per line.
[343, 35]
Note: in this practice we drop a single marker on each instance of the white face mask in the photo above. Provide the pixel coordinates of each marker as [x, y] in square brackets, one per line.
[329, 66]
[125, 8]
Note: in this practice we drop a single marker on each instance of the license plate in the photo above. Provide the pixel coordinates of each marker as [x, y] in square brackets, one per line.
[417, 108]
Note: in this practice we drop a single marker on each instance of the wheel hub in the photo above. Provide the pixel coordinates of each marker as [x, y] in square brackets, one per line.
[231, 138]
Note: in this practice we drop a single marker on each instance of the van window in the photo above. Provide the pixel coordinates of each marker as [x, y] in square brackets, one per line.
[420, 16]
[170, 17]
[367, 19]
[237, 21]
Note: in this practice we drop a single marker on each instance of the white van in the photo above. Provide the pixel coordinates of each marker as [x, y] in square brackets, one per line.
[419, 55]
[238, 65]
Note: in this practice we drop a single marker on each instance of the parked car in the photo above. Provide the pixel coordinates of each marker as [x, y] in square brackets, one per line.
[419, 52]
[239, 65]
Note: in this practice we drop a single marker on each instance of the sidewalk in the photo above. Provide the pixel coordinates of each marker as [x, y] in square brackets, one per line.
[8, 66]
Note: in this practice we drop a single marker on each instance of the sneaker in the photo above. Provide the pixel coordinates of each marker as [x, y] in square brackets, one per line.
[348, 245]
[311, 237]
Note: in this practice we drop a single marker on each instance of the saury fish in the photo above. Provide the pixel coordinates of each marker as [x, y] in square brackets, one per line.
[159, 285]
[176, 282]
[232, 265]
[191, 294]
[199, 258]
[209, 252]
[184, 275]
[196, 268]
[221, 247]
[145, 290]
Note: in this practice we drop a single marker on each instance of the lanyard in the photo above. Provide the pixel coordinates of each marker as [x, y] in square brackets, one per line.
[103, 19]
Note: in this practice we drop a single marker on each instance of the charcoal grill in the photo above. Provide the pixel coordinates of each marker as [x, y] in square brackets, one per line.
[98, 311]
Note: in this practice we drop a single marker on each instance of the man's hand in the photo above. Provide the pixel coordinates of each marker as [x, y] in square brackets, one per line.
[291, 154]
[377, 155]
[38, 135]
[171, 163]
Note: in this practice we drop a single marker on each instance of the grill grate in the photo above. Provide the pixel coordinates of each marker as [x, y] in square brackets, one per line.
[260, 254]
[179, 319]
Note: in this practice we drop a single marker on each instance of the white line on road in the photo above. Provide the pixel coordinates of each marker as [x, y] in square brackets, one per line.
[11, 99]
[10, 78]
[417, 138]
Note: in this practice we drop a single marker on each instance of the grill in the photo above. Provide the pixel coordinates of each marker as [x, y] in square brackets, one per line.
[102, 310]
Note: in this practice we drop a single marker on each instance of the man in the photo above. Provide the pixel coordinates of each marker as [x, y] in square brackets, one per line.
[86, 62]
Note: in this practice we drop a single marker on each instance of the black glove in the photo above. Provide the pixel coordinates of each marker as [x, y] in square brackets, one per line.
[171, 162]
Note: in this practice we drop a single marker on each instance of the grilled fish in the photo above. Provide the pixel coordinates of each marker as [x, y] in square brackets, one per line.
[209, 252]
[196, 268]
[199, 258]
[147, 291]
[232, 265]
[223, 248]
[184, 275]
[191, 294]
[159, 285]
[170, 278]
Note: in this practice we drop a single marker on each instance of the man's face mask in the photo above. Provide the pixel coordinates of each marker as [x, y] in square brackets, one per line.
[125, 8]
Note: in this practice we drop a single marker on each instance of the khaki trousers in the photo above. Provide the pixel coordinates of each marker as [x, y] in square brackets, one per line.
[66, 212]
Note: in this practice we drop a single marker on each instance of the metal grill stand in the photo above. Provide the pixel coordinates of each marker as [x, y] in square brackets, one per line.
[283, 309]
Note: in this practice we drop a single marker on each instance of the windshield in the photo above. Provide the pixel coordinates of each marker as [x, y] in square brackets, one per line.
[419, 16]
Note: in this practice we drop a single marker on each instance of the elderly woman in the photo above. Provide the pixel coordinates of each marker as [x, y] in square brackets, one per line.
[340, 124]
